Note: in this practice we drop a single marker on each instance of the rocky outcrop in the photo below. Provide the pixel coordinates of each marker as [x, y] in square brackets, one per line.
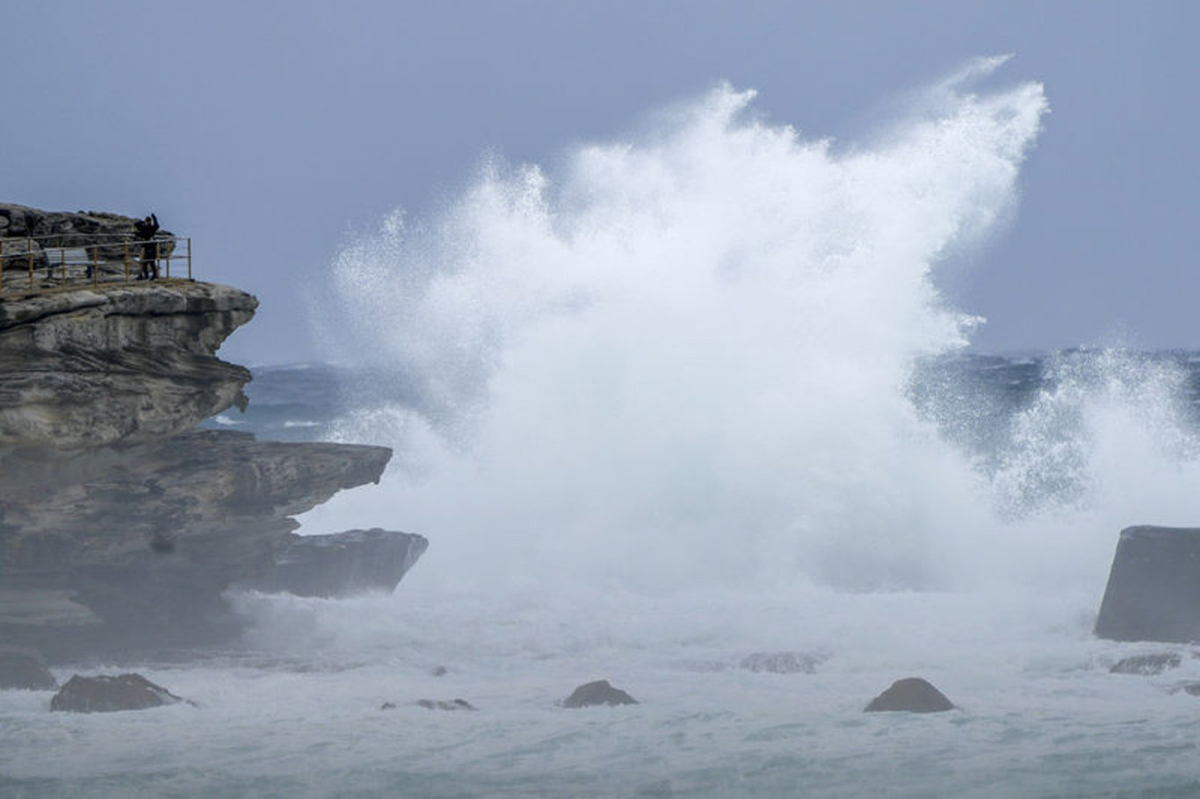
[132, 546]
[1153, 591]
[119, 529]
[596, 693]
[445, 704]
[23, 668]
[913, 695]
[89, 367]
[340, 565]
[106, 694]
[1147, 664]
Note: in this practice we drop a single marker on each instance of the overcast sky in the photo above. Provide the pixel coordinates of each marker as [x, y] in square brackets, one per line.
[269, 131]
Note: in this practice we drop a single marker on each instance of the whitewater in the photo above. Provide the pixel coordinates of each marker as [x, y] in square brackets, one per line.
[679, 398]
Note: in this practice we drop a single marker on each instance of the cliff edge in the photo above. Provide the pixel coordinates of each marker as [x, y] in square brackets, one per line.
[94, 366]
[121, 528]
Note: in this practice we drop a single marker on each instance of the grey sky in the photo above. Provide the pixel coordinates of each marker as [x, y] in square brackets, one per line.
[269, 131]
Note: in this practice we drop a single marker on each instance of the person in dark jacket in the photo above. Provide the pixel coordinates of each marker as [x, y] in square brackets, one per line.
[145, 231]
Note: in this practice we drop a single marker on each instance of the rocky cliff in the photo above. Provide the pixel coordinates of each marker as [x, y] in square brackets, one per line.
[125, 547]
[120, 527]
[89, 367]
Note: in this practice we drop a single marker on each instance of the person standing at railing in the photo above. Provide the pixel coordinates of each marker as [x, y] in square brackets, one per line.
[146, 230]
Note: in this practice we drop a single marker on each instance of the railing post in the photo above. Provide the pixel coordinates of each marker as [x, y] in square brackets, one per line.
[189, 256]
[126, 262]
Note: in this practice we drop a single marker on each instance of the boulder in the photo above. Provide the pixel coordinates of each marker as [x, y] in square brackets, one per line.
[598, 693]
[913, 695]
[23, 668]
[782, 662]
[1147, 664]
[1153, 591]
[104, 694]
[341, 564]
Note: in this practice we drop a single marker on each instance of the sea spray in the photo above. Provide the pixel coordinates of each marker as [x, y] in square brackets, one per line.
[694, 359]
[684, 359]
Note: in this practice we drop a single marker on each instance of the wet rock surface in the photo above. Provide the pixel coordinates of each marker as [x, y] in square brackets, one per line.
[1147, 664]
[912, 694]
[597, 693]
[440, 704]
[23, 668]
[107, 694]
[340, 565]
[1153, 590]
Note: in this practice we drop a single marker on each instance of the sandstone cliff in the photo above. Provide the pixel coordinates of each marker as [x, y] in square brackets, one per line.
[120, 527]
[124, 363]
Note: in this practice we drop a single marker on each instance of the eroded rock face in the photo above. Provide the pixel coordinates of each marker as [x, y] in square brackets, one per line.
[911, 694]
[596, 693]
[341, 564]
[130, 547]
[106, 694]
[1153, 591]
[85, 368]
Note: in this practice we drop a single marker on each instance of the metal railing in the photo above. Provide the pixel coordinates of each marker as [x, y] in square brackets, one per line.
[37, 264]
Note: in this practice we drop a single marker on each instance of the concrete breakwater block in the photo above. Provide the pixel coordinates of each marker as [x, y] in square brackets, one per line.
[1153, 591]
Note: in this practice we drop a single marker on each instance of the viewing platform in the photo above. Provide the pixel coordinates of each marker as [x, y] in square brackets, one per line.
[64, 261]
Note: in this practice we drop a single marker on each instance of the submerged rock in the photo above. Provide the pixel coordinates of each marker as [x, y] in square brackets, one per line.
[439, 704]
[599, 692]
[342, 564]
[104, 694]
[23, 668]
[911, 694]
[1153, 591]
[1147, 664]
[782, 662]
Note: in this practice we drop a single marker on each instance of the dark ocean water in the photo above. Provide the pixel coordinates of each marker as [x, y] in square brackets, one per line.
[974, 399]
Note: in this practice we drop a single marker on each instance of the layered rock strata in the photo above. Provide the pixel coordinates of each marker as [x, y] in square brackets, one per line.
[87, 367]
[126, 547]
[120, 527]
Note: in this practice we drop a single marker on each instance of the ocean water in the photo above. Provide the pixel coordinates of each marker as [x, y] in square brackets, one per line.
[687, 396]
